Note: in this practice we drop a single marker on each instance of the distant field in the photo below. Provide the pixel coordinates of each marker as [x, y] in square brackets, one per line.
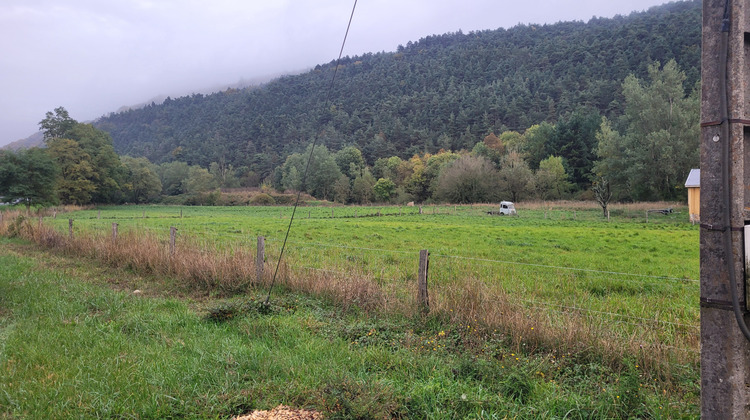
[560, 266]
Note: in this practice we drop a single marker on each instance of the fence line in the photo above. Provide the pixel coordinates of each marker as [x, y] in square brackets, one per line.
[546, 306]
[586, 270]
[485, 260]
[249, 235]
[612, 314]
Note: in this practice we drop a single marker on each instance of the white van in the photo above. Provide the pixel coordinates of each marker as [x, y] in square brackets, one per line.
[507, 207]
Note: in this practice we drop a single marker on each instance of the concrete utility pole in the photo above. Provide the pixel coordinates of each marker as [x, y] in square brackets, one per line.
[725, 208]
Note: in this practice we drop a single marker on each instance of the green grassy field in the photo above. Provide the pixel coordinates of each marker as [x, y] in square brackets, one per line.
[614, 297]
[615, 266]
[75, 342]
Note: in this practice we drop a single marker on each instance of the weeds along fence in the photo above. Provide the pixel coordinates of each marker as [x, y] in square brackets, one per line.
[607, 315]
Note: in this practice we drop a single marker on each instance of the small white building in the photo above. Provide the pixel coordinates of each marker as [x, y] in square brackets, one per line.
[693, 185]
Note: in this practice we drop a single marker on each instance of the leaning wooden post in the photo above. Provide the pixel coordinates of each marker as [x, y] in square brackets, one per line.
[260, 258]
[114, 232]
[70, 228]
[422, 297]
[172, 236]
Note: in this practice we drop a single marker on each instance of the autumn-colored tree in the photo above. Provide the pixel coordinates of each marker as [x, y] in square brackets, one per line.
[470, 179]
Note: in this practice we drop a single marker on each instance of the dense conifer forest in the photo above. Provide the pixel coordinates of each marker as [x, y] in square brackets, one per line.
[442, 91]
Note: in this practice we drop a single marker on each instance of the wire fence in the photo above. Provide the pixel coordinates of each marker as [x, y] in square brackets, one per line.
[658, 311]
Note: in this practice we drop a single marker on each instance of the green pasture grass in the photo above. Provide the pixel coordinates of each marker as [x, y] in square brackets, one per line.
[641, 277]
[71, 346]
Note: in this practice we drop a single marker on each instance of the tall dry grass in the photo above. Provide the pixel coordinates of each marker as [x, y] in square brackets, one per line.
[490, 308]
[467, 301]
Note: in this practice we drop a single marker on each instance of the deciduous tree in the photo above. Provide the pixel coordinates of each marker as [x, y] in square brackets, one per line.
[28, 175]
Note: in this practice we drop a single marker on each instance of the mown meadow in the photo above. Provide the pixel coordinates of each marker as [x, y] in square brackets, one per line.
[616, 298]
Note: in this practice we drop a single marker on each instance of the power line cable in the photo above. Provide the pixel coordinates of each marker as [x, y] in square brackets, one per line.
[726, 192]
[309, 158]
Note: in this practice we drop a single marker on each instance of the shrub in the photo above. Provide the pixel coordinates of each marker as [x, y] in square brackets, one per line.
[262, 199]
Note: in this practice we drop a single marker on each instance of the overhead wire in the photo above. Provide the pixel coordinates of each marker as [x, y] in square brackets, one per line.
[725, 162]
[310, 157]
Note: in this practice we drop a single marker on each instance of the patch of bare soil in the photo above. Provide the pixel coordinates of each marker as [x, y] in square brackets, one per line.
[282, 412]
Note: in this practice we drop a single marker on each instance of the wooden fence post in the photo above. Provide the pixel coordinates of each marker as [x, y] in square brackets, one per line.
[422, 297]
[260, 258]
[144, 214]
[172, 236]
[99, 215]
[331, 213]
[70, 228]
[114, 232]
[180, 213]
[420, 209]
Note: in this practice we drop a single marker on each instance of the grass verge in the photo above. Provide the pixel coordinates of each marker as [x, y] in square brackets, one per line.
[71, 346]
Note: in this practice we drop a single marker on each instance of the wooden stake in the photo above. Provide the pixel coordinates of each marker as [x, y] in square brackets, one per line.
[172, 236]
[70, 228]
[260, 258]
[422, 297]
[114, 232]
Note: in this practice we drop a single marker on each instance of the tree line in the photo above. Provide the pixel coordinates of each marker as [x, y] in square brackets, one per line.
[644, 154]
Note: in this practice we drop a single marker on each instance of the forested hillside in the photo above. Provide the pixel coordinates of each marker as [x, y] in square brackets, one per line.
[442, 92]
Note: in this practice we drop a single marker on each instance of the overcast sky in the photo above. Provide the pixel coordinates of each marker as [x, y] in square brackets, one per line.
[94, 56]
